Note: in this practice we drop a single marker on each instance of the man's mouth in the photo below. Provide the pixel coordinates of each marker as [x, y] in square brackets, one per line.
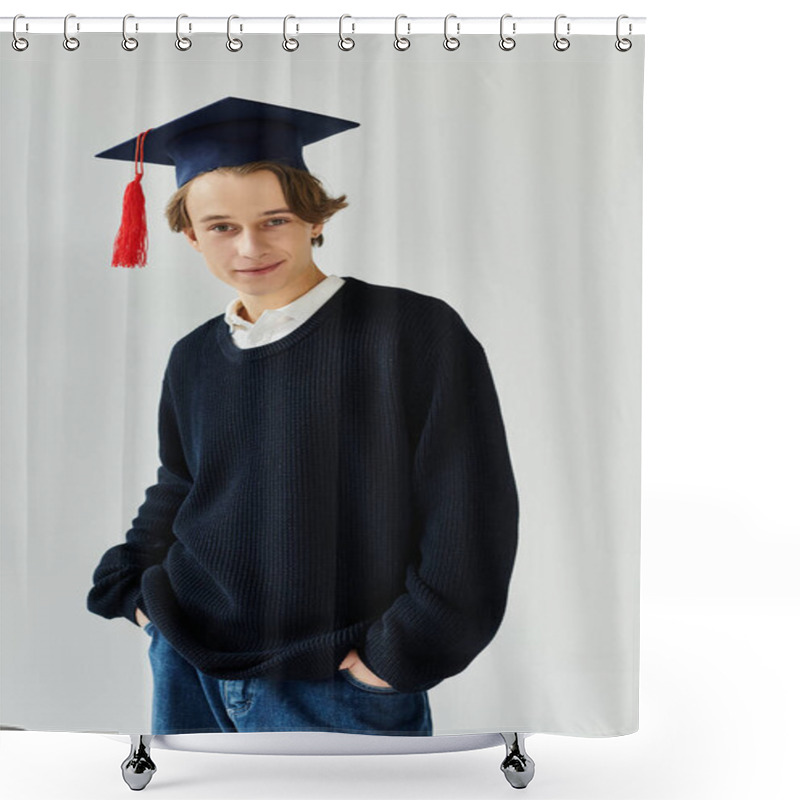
[260, 270]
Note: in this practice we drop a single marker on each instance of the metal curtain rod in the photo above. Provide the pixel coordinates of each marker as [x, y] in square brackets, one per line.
[461, 26]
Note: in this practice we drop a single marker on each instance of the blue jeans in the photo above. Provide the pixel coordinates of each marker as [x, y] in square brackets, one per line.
[186, 700]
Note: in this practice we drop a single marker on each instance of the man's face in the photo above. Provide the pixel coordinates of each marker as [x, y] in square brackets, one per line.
[249, 238]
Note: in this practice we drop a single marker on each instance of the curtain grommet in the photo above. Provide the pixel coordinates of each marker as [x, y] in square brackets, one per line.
[507, 42]
[561, 43]
[70, 43]
[622, 44]
[129, 43]
[346, 43]
[17, 41]
[401, 43]
[233, 45]
[182, 43]
[451, 42]
[289, 44]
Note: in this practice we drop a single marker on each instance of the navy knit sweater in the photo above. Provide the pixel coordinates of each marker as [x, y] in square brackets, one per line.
[346, 486]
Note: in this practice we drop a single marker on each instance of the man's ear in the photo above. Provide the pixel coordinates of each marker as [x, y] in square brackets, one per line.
[189, 234]
[316, 230]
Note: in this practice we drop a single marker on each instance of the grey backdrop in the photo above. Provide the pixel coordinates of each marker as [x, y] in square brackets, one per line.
[507, 183]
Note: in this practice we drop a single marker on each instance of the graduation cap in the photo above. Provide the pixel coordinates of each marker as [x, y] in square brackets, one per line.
[227, 133]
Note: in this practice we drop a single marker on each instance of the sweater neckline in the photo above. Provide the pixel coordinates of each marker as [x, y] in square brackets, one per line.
[324, 312]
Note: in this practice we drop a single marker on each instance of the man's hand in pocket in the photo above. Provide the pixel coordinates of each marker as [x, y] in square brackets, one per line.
[141, 619]
[360, 670]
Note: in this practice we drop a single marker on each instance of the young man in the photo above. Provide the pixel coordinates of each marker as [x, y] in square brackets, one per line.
[334, 524]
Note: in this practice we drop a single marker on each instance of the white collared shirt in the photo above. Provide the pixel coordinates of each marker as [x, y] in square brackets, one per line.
[275, 323]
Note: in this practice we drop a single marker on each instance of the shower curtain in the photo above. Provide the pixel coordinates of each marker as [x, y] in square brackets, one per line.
[506, 184]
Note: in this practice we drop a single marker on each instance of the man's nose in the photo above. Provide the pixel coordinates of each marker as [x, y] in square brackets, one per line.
[251, 243]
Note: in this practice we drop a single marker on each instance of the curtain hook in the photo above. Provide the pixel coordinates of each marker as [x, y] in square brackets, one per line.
[346, 42]
[18, 43]
[561, 43]
[401, 42]
[182, 42]
[623, 45]
[234, 45]
[289, 44]
[70, 42]
[451, 42]
[507, 42]
[128, 42]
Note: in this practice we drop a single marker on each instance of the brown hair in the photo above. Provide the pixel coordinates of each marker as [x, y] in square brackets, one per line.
[303, 192]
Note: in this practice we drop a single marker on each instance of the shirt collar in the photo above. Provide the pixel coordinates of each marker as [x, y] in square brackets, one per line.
[294, 310]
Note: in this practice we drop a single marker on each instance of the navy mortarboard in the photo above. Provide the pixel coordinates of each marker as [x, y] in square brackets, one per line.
[227, 133]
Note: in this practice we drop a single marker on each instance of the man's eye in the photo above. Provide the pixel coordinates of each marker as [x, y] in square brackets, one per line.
[221, 225]
[277, 222]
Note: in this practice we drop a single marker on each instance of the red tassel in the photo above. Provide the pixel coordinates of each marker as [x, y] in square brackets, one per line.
[130, 244]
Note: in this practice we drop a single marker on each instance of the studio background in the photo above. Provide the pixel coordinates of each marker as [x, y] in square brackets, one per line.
[506, 183]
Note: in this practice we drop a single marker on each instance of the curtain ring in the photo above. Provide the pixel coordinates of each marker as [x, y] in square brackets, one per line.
[561, 43]
[234, 45]
[289, 44]
[182, 42]
[128, 42]
[346, 42]
[401, 42]
[451, 42]
[18, 43]
[70, 42]
[623, 45]
[507, 42]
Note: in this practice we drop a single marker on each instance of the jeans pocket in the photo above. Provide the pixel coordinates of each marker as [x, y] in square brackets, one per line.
[149, 628]
[365, 687]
